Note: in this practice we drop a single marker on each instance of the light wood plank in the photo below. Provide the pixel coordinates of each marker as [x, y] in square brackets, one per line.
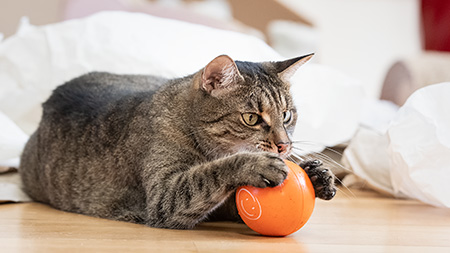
[365, 222]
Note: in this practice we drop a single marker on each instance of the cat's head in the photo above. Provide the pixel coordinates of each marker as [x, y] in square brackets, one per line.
[244, 106]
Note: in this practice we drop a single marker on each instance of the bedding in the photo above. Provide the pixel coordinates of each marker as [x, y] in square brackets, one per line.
[38, 58]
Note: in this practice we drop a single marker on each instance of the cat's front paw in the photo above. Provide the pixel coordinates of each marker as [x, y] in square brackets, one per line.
[321, 178]
[261, 169]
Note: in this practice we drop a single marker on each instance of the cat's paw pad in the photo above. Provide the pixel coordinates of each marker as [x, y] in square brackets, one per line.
[264, 170]
[321, 178]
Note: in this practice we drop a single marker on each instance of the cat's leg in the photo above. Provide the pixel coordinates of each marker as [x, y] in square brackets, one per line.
[321, 178]
[227, 211]
[181, 198]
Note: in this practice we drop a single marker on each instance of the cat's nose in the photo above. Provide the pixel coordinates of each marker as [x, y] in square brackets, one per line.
[283, 147]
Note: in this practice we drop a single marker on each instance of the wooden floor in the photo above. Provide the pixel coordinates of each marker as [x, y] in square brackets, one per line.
[366, 222]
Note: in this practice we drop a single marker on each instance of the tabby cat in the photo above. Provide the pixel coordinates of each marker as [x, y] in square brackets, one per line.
[167, 153]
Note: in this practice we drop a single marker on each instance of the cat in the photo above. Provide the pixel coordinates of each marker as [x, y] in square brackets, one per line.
[168, 153]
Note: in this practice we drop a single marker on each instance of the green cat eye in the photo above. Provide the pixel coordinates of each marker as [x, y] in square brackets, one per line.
[287, 116]
[250, 119]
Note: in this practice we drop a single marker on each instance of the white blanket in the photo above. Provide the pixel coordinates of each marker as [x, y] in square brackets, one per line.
[37, 59]
[410, 157]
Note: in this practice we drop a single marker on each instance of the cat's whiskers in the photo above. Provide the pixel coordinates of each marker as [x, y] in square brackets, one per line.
[340, 181]
[322, 146]
[327, 159]
[299, 157]
[291, 159]
[322, 156]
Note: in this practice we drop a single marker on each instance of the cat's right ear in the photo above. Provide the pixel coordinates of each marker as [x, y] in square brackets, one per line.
[220, 76]
[286, 69]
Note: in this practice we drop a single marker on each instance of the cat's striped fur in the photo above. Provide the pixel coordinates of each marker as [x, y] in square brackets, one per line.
[166, 153]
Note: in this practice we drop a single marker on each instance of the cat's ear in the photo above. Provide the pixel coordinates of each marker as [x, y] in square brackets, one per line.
[286, 69]
[220, 76]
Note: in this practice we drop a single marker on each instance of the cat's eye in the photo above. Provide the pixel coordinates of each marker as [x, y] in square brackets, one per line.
[287, 116]
[250, 119]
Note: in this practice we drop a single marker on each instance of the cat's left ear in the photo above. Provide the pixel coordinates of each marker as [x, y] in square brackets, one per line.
[220, 76]
[286, 69]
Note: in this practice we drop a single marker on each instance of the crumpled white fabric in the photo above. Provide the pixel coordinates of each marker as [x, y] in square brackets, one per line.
[411, 158]
[420, 146]
[37, 59]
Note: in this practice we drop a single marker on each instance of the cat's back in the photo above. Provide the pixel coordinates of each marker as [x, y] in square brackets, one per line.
[94, 93]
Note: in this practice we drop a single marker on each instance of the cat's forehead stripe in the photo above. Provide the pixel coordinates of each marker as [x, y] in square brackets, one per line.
[273, 98]
[268, 91]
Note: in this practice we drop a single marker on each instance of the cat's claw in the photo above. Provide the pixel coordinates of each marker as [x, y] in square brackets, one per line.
[321, 178]
[267, 181]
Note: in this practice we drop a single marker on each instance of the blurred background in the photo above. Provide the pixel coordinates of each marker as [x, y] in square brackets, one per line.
[371, 54]
[375, 41]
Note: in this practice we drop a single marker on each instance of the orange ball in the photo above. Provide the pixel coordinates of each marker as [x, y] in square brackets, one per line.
[281, 210]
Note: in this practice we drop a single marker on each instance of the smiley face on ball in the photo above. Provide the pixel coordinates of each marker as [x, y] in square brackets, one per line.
[249, 204]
